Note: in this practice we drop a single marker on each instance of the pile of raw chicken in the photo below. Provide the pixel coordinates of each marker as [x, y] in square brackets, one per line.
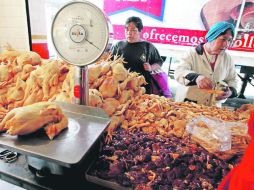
[29, 83]
[25, 79]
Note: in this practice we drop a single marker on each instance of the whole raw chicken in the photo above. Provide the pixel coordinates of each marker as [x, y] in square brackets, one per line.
[29, 57]
[28, 119]
[109, 87]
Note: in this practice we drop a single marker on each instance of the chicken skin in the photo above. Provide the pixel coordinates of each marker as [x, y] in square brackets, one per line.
[28, 119]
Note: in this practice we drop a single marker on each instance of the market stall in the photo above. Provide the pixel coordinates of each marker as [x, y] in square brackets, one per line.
[122, 138]
[148, 135]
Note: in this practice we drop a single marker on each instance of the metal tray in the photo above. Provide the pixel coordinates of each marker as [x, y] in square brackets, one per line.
[102, 182]
[86, 124]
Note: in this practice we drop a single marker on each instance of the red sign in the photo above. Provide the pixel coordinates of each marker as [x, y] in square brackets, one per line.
[183, 37]
[246, 43]
[171, 36]
[151, 8]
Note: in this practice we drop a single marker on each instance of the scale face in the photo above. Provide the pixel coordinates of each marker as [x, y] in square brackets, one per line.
[80, 33]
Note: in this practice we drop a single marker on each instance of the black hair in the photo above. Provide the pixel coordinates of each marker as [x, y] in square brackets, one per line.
[229, 29]
[137, 22]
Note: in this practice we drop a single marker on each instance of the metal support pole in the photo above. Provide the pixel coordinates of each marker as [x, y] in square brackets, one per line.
[84, 88]
[239, 19]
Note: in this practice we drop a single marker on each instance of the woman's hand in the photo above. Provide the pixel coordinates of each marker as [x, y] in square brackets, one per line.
[147, 67]
[152, 67]
[227, 93]
[204, 82]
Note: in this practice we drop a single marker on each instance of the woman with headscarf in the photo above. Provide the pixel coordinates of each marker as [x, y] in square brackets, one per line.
[206, 65]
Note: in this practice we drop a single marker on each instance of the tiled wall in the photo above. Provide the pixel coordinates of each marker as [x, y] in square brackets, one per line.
[13, 24]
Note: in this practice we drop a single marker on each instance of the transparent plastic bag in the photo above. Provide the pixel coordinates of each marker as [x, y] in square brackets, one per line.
[221, 138]
[212, 134]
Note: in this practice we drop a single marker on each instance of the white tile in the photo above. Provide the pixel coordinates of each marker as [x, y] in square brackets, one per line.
[8, 186]
[13, 27]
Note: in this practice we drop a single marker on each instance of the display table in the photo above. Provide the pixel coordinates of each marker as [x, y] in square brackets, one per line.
[19, 174]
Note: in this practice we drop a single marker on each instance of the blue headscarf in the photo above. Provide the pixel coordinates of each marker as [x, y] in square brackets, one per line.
[217, 29]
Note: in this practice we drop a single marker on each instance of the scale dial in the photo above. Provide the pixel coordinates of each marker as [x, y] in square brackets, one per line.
[80, 33]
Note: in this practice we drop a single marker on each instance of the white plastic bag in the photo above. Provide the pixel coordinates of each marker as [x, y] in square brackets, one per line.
[213, 134]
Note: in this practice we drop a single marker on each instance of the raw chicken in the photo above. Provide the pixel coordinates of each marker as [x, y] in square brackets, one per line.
[9, 55]
[28, 119]
[109, 87]
[17, 92]
[94, 72]
[110, 105]
[95, 98]
[119, 72]
[29, 57]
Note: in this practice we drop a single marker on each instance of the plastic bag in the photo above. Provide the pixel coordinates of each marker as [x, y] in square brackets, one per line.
[240, 178]
[161, 79]
[223, 139]
[214, 135]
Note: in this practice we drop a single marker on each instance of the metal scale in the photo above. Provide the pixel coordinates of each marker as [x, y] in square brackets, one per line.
[81, 34]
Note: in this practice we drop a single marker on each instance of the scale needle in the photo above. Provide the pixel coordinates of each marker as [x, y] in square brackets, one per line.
[92, 44]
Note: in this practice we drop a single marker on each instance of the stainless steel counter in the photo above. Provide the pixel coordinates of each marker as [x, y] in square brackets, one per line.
[19, 174]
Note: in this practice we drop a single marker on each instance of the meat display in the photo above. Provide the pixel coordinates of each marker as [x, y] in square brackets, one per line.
[159, 115]
[111, 86]
[147, 144]
[25, 79]
[149, 161]
[28, 119]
